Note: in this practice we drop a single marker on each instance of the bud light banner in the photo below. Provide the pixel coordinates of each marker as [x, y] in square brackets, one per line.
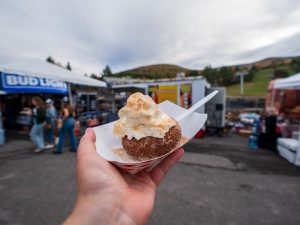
[14, 83]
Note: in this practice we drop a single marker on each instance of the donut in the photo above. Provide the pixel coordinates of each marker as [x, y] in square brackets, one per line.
[152, 147]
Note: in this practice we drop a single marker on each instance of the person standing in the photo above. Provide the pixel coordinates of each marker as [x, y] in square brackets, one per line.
[50, 122]
[39, 117]
[68, 115]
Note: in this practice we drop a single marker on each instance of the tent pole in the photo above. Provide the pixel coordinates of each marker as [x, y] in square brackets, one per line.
[70, 94]
[1, 125]
[297, 160]
[272, 101]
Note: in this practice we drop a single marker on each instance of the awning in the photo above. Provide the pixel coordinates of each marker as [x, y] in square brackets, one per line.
[41, 69]
[129, 88]
[292, 82]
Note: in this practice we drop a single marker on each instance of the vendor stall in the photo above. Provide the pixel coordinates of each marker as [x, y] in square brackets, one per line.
[37, 68]
[34, 76]
[288, 147]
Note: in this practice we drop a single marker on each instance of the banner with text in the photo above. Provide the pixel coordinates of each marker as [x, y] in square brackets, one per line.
[14, 83]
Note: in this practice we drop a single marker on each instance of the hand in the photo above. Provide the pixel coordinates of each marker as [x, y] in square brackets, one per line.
[109, 195]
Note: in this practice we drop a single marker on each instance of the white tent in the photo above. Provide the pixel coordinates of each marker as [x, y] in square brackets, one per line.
[292, 82]
[43, 69]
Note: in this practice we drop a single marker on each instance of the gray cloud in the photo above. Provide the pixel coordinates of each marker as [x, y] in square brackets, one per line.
[287, 47]
[128, 34]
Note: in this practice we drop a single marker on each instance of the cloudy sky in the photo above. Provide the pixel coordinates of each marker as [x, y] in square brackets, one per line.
[126, 34]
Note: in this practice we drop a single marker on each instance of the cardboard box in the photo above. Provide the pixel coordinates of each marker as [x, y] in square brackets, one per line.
[245, 133]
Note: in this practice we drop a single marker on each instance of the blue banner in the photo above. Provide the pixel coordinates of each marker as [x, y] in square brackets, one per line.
[14, 83]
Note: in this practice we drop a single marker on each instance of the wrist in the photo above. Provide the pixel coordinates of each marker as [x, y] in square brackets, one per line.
[104, 212]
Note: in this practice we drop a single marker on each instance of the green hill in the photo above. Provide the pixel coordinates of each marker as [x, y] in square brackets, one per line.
[258, 86]
[222, 76]
[170, 71]
[156, 72]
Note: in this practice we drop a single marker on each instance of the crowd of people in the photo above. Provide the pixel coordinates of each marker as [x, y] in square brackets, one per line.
[45, 120]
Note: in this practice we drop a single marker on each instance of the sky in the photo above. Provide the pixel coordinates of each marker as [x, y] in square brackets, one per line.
[126, 34]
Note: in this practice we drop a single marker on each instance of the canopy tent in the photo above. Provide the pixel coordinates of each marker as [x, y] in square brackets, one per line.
[43, 69]
[292, 82]
[35, 75]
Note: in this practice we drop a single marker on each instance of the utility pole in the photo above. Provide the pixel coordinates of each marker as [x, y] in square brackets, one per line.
[241, 75]
[242, 83]
[70, 94]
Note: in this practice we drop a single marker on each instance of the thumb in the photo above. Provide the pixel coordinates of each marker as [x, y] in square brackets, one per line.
[87, 143]
[86, 152]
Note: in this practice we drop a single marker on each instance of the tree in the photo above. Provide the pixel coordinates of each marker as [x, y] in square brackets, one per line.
[207, 72]
[254, 69]
[106, 72]
[281, 73]
[94, 76]
[275, 65]
[295, 64]
[68, 67]
[192, 73]
[168, 75]
[249, 76]
[225, 76]
[50, 60]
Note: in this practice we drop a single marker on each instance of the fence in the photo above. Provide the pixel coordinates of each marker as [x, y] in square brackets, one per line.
[244, 102]
[95, 118]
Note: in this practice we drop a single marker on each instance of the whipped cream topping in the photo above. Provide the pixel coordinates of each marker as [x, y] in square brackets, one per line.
[141, 118]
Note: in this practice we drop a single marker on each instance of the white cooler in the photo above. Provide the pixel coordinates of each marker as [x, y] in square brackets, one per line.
[287, 148]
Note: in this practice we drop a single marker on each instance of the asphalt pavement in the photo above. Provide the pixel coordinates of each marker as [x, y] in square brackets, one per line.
[218, 181]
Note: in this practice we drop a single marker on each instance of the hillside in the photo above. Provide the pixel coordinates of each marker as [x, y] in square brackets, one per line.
[169, 71]
[280, 61]
[258, 86]
[158, 71]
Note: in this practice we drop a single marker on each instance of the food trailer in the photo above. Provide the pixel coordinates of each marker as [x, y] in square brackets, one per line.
[184, 92]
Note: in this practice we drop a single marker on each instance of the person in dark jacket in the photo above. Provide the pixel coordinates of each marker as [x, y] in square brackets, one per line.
[39, 117]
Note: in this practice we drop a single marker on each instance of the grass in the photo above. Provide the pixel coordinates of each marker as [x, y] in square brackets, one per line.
[259, 85]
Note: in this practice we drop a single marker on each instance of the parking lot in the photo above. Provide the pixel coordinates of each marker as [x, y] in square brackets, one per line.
[218, 181]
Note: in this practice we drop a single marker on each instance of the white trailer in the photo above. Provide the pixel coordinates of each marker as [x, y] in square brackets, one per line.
[184, 92]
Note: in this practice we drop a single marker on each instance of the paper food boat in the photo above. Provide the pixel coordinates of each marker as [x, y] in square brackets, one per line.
[106, 143]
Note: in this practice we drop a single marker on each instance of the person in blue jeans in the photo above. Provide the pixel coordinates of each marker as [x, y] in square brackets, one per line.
[39, 117]
[50, 122]
[68, 115]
